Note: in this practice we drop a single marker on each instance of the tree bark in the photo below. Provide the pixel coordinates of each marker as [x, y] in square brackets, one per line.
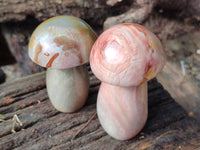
[2, 76]
[43, 127]
[17, 38]
[19, 10]
[96, 12]
[183, 88]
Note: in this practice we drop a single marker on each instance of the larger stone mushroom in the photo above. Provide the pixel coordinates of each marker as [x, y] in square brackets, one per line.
[63, 44]
[124, 58]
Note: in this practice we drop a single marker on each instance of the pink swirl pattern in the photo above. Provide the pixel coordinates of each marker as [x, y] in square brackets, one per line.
[122, 111]
[124, 58]
[127, 55]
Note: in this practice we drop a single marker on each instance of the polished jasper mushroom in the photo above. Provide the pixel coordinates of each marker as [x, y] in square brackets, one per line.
[124, 58]
[63, 44]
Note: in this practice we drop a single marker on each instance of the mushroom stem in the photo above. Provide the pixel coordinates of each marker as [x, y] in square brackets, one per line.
[68, 88]
[122, 111]
[125, 56]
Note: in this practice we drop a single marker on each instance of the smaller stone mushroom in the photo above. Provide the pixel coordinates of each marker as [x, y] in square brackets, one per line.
[124, 58]
[63, 44]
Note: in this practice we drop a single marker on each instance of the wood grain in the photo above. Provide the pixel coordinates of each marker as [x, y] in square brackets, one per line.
[168, 125]
[183, 89]
[19, 10]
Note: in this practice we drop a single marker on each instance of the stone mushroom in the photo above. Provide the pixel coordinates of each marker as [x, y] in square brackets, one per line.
[124, 58]
[63, 44]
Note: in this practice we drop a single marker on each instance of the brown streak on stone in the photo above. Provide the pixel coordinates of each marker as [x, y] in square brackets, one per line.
[46, 54]
[49, 64]
[38, 50]
[66, 43]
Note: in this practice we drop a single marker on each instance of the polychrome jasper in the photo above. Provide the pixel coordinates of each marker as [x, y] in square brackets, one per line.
[122, 111]
[67, 88]
[63, 45]
[124, 58]
[127, 55]
[61, 42]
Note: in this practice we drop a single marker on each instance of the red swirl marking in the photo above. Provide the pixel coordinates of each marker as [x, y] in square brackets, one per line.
[140, 28]
[49, 64]
[46, 54]
[66, 54]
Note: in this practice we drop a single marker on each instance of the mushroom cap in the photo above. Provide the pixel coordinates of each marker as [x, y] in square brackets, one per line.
[127, 55]
[61, 42]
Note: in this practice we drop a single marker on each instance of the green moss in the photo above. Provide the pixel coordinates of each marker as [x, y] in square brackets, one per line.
[194, 73]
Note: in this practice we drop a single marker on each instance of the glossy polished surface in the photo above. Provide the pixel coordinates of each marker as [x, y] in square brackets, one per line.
[61, 42]
[124, 58]
[127, 55]
[67, 88]
[122, 111]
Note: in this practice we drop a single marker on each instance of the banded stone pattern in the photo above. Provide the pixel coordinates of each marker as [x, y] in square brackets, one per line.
[61, 42]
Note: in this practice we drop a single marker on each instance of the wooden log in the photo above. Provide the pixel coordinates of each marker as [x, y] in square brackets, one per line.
[182, 82]
[96, 12]
[2, 76]
[43, 127]
[183, 89]
[17, 37]
[132, 15]
[5, 55]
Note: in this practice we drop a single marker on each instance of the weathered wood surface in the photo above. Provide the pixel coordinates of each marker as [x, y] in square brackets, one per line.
[96, 11]
[5, 55]
[184, 89]
[2, 76]
[43, 127]
[17, 37]
[19, 10]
